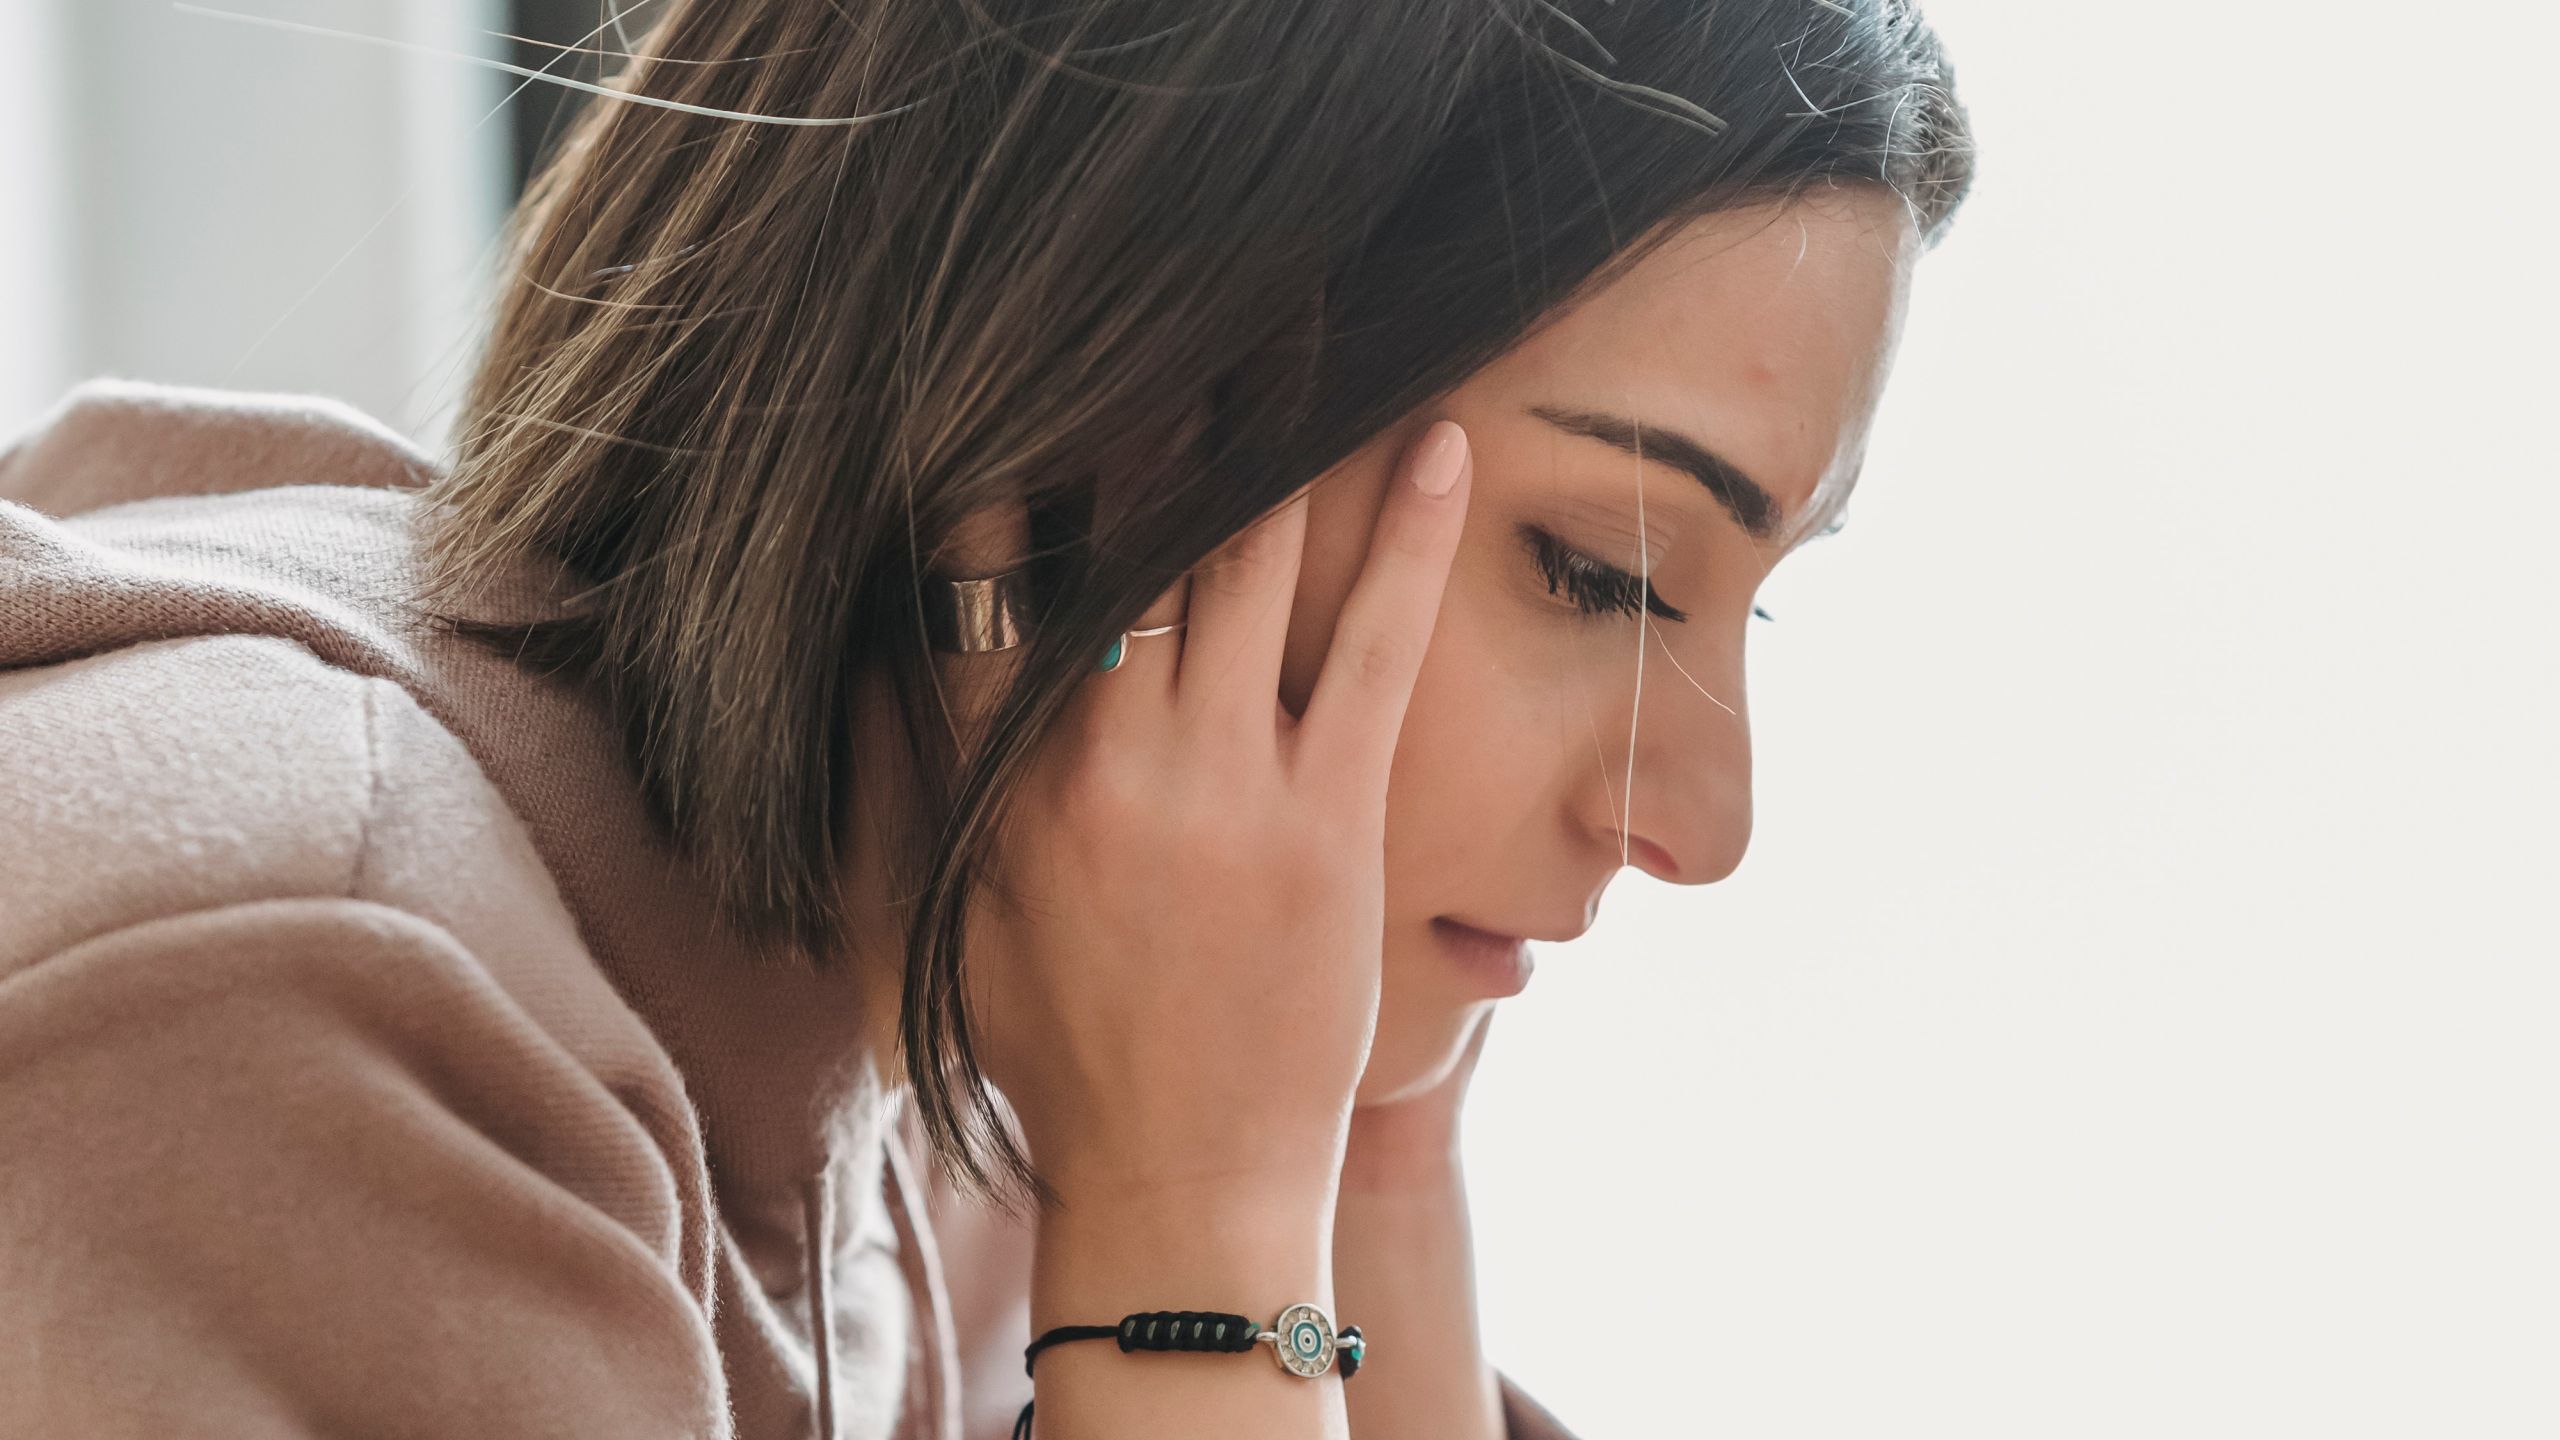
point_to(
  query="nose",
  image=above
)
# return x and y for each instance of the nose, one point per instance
(1683, 791)
(1703, 839)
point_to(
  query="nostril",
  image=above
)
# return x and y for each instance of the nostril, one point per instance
(1652, 858)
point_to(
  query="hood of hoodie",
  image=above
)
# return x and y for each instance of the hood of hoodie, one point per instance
(136, 512)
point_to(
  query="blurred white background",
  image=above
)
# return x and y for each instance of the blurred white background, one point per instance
(2136, 1017)
(2138, 1014)
(198, 200)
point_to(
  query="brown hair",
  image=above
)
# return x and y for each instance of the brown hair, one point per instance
(746, 374)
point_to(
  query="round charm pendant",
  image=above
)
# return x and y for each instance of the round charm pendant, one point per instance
(1303, 1339)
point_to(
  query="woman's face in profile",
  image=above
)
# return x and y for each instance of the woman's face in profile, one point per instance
(1762, 335)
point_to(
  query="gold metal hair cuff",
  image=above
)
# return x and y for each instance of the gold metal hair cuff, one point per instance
(970, 616)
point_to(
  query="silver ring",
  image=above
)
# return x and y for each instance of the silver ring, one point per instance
(1114, 657)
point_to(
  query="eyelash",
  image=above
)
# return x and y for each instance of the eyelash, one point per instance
(1593, 587)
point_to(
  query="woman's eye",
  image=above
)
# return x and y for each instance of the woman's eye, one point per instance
(1593, 587)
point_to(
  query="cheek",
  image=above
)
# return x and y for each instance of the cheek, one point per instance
(1486, 729)
(1476, 763)
(1462, 836)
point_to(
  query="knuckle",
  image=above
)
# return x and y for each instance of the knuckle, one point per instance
(1244, 561)
(1346, 840)
(1381, 657)
(1227, 574)
(1299, 870)
(1221, 852)
(1105, 790)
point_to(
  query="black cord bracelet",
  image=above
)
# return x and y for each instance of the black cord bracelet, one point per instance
(1302, 1340)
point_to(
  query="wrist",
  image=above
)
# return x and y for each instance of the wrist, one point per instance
(1093, 1180)
(1390, 1165)
(1251, 1251)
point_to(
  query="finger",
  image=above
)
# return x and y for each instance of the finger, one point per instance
(1367, 677)
(1134, 672)
(1240, 601)
(1137, 691)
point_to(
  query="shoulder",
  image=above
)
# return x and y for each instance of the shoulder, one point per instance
(298, 1157)
(177, 776)
(224, 836)
(110, 440)
(173, 776)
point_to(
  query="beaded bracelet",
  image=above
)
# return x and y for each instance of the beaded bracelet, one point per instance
(1302, 1340)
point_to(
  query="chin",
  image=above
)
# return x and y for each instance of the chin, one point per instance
(1413, 1052)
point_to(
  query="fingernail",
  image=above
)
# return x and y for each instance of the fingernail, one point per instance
(1436, 468)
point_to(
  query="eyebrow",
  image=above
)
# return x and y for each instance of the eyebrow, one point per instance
(1746, 499)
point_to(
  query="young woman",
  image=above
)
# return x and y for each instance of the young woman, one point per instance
(1045, 596)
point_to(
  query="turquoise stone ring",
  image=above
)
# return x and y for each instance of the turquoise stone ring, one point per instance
(1119, 651)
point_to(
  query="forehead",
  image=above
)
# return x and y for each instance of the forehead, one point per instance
(1765, 333)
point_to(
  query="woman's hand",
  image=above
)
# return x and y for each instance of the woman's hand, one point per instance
(1177, 978)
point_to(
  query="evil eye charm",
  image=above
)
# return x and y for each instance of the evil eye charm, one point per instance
(1304, 1341)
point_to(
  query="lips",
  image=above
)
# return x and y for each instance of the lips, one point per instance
(1498, 964)
(1542, 934)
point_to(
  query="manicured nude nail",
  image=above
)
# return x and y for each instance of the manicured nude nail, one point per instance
(1443, 451)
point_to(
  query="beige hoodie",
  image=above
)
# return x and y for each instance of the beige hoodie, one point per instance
(368, 1066)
